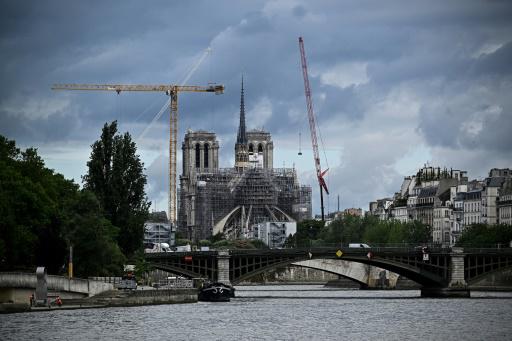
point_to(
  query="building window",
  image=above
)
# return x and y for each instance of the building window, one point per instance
(260, 148)
(251, 148)
(198, 156)
(206, 151)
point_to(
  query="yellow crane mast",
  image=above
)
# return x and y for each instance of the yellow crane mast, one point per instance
(170, 90)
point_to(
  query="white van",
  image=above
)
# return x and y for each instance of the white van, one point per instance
(359, 246)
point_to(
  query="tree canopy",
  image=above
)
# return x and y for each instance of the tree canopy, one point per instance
(116, 176)
(482, 235)
(354, 229)
(42, 214)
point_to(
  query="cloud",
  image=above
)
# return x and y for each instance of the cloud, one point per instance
(346, 75)
(32, 108)
(259, 114)
(394, 84)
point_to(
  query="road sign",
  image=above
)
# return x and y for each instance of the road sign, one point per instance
(339, 253)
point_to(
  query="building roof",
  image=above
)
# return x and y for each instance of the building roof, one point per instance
(495, 181)
(428, 192)
(474, 195)
(460, 196)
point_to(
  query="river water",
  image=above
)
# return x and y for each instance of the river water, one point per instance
(281, 313)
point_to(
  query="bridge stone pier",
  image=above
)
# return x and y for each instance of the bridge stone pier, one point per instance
(223, 267)
(457, 286)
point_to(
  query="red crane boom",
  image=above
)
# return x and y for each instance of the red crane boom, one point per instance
(312, 127)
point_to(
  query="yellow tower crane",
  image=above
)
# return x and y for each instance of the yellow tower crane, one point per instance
(170, 90)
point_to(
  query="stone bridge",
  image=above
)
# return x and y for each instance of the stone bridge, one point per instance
(445, 272)
(18, 286)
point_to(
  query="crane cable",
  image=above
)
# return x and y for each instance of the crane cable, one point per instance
(168, 102)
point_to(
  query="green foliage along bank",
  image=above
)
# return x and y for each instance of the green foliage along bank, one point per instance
(482, 235)
(42, 214)
(354, 229)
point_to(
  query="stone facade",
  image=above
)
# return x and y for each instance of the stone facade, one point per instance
(448, 202)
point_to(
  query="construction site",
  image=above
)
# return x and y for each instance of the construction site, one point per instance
(250, 200)
(242, 201)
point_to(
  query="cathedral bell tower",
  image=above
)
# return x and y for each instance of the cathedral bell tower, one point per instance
(241, 148)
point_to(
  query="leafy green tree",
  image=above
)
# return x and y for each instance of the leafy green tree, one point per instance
(217, 237)
(142, 267)
(307, 230)
(32, 199)
(418, 233)
(376, 234)
(354, 229)
(482, 235)
(182, 242)
(115, 175)
(93, 237)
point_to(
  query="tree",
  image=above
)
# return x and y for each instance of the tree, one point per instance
(42, 214)
(483, 235)
(93, 237)
(32, 200)
(307, 230)
(115, 175)
(142, 267)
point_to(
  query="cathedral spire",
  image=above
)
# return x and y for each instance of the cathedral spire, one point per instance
(241, 148)
(242, 136)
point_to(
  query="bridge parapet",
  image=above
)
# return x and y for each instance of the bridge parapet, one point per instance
(54, 283)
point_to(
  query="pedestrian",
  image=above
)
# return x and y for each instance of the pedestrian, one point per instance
(58, 301)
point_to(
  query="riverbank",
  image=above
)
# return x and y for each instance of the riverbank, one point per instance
(112, 298)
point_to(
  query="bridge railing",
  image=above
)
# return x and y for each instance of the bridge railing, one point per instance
(488, 250)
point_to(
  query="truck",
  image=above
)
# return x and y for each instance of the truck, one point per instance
(158, 247)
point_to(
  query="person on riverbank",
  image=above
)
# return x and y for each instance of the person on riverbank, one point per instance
(58, 301)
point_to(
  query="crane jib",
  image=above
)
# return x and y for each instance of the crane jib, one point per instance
(169, 89)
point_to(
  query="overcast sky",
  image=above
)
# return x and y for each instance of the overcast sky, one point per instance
(396, 84)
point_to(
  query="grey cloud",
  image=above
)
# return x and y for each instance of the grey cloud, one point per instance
(496, 63)
(426, 47)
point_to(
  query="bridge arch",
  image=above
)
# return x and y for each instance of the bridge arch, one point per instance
(493, 278)
(421, 277)
(360, 273)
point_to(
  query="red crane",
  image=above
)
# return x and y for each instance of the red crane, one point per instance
(312, 127)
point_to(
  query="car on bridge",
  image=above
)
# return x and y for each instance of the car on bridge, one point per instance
(359, 246)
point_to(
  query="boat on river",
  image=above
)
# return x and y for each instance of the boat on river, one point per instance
(216, 292)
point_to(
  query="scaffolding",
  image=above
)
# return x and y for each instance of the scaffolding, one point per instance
(232, 201)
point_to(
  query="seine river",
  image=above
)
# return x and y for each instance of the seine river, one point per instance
(281, 313)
